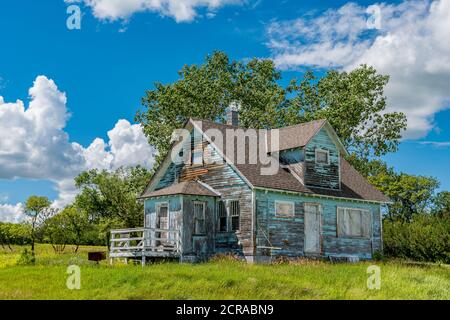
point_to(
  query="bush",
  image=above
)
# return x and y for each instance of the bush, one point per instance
(26, 258)
(425, 238)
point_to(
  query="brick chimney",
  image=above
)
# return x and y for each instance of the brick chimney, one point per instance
(233, 114)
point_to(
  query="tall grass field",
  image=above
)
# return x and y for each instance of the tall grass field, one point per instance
(218, 279)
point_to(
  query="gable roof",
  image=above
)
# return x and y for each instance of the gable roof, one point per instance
(300, 134)
(188, 187)
(353, 184)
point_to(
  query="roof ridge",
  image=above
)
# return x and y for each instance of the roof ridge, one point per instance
(241, 127)
(302, 123)
(218, 123)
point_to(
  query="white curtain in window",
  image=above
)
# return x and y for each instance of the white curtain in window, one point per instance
(353, 222)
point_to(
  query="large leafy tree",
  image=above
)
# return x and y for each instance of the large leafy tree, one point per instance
(410, 194)
(205, 91)
(110, 197)
(353, 102)
(355, 105)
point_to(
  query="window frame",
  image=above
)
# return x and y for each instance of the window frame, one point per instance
(318, 150)
(363, 211)
(194, 203)
(231, 216)
(219, 217)
(285, 202)
(158, 205)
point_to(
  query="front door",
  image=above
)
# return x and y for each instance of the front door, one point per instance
(312, 229)
(162, 222)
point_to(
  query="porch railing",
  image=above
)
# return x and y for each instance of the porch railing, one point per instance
(144, 241)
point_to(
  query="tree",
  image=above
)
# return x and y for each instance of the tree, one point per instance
(205, 91)
(410, 194)
(77, 225)
(55, 230)
(109, 198)
(441, 203)
(38, 209)
(353, 102)
(14, 233)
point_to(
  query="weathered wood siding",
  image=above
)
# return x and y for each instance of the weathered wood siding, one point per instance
(224, 179)
(174, 214)
(322, 175)
(288, 232)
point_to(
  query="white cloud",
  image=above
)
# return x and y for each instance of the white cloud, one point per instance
(180, 10)
(11, 213)
(437, 144)
(411, 46)
(34, 145)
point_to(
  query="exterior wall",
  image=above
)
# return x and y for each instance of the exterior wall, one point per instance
(224, 179)
(174, 211)
(322, 175)
(288, 232)
(175, 215)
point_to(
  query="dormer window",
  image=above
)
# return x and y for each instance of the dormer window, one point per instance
(322, 156)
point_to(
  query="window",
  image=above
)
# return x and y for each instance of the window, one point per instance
(353, 222)
(234, 215)
(284, 208)
(229, 219)
(322, 156)
(199, 218)
(197, 157)
(223, 220)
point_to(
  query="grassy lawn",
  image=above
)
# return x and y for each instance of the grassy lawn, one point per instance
(214, 280)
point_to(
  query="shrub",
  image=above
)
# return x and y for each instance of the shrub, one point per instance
(26, 258)
(425, 238)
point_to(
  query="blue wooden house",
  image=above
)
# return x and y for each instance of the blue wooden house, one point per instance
(314, 204)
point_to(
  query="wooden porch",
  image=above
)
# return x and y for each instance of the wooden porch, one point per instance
(144, 242)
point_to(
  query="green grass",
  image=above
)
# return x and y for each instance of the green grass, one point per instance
(214, 280)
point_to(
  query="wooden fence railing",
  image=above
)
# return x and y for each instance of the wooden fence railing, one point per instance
(144, 241)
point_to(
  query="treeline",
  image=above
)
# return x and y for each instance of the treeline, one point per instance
(106, 200)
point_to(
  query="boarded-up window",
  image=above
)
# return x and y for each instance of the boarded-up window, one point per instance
(284, 208)
(353, 222)
(234, 215)
(199, 218)
(322, 156)
(223, 217)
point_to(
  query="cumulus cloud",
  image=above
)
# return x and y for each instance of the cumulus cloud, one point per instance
(410, 45)
(11, 213)
(180, 10)
(34, 145)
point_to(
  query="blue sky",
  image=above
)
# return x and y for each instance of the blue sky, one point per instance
(105, 68)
